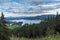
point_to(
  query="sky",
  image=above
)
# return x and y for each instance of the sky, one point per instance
(16, 8)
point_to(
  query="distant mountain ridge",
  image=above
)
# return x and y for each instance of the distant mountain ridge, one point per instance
(42, 17)
(10, 20)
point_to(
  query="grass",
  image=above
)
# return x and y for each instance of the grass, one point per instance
(57, 37)
(12, 26)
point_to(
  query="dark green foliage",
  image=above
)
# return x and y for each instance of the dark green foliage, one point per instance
(36, 30)
(46, 27)
(33, 30)
(50, 30)
(57, 23)
(4, 32)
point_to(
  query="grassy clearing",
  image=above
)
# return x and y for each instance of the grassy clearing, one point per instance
(57, 37)
(12, 26)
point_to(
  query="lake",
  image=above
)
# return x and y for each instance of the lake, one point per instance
(26, 21)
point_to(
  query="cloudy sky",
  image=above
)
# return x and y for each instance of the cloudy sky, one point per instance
(29, 7)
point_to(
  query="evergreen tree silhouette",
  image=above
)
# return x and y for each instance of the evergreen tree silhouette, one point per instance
(4, 34)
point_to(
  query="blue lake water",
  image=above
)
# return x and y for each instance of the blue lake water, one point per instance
(27, 21)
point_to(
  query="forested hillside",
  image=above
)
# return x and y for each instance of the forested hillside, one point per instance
(47, 27)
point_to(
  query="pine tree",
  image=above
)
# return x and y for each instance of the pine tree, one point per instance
(50, 26)
(4, 34)
(57, 23)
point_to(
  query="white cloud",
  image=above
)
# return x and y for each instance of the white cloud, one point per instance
(18, 9)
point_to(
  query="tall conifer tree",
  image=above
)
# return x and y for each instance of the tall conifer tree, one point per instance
(4, 35)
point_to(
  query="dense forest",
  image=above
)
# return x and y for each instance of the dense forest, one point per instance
(47, 27)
